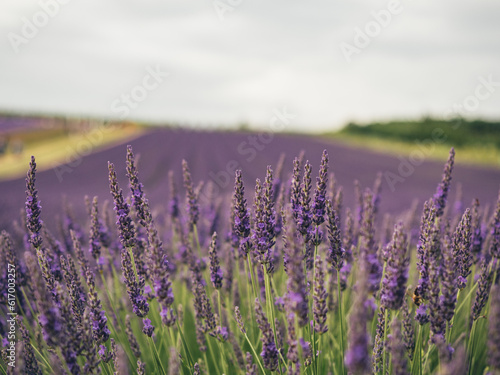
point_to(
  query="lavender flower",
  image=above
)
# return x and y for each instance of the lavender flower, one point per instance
(396, 273)
(441, 194)
(239, 320)
(215, 270)
(336, 252)
(203, 309)
(136, 188)
(241, 224)
(421, 314)
(379, 347)
(495, 231)
(134, 346)
(251, 368)
(367, 243)
(408, 330)
(191, 196)
(320, 308)
(31, 365)
(295, 189)
(92, 359)
(135, 285)
(95, 231)
(293, 351)
(436, 317)
(477, 234)
(318, 206)
(125, 226)
(306, 352)
(449, 281)
(148, 328)
(33, 207)
(423, 248)
(304, 208)
(75, 290)
(462, 241)
(269, 352)
(264, 222)
(173, 206)
(141, 368)
(483, 291)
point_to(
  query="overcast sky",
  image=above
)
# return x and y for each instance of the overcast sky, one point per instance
(232, 61)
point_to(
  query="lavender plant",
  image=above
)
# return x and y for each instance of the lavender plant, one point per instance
(294, 284)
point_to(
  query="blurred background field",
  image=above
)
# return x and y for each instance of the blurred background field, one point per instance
(477, 142)
(55, 141)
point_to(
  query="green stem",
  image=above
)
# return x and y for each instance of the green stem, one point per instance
(197, 240)
(341, 318)
(451, 324)
(155, 359)
(221, 349)
(212, 353)
(42, 357)
(186, 348)
(249, 260)
(470, 347)
(270, 308)
(257, 358)
(417, 353)
(386, 317)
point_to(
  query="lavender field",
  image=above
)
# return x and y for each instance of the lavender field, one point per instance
(214, 253)
(209, 154)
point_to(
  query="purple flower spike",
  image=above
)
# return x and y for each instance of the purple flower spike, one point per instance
(264, 222)
(318, 207)
(396, 274)
(33, 207)
(495, 232)
(304, 209)
(215, 270)
(441, 194)
(320, 308)
(336, 252)
(367, 246)
(269, 352)
(193, 207)
(449, 281)
(462, 252)
(148, 328)
(483, 291)
(125, 226)
(424, 248)
(241, 224)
